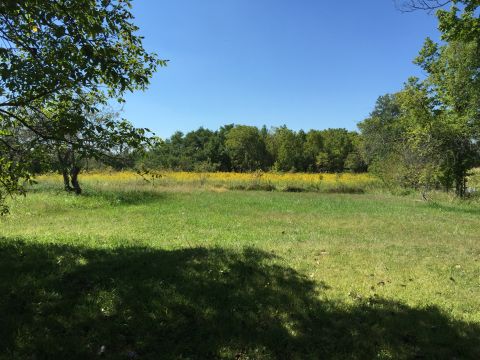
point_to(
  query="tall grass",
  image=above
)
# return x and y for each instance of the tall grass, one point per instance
(287, 182)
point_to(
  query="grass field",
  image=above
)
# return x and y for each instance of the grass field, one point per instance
(192, 272)
(285, 182)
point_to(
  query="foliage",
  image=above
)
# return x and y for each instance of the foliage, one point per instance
(52, 54)
(80, 131)
(62, 45)
(199, 150)
(460, 23)
(382, 129)
(431, 129)
(337, 145)
(286, 147)
(245, 148)
(9, 181)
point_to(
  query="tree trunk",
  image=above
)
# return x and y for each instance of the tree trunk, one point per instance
(461, 186)
(74, 179)
(70, 171)
(66, 180)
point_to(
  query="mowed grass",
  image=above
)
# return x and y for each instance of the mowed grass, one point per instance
(203, 274)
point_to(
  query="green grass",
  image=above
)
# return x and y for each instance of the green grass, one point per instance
(239, 275)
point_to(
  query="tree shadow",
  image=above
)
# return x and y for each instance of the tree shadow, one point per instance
(455, 208)
(111, 197)
(64, 302)
(126, 197)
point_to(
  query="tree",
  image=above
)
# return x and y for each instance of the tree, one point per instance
(421, 145)
(56, 49)
(102, 136)
(286, 148)
(51, 46)
(355, 160)
(424, 143)
(433, 133)
(246, 148)
(337, 144)
(460, 23)
(80, 132)
(204, 149)
(199, 150)
(382, 129)
(216, 150)
(14, 171)
(454, 84)
(312, 148)
(402, 138)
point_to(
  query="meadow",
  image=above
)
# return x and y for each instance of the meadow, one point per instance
(268, 181)
(188, 266)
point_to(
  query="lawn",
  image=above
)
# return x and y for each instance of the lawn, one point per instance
(210, 273)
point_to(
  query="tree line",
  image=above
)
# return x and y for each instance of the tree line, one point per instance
(247, 148)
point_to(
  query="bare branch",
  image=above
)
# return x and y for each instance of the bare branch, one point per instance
(423, 5)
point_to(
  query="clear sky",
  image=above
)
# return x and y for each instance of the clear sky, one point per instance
(303, 63)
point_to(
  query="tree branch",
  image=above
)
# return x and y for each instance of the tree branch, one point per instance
(423, 5)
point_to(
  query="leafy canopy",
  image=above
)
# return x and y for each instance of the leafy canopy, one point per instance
(60, 62)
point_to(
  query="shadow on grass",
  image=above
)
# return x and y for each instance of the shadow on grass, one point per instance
(62, 302)
(112, 197)
(126, 197)
(455, 208)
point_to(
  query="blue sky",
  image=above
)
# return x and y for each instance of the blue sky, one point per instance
(309, 64)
